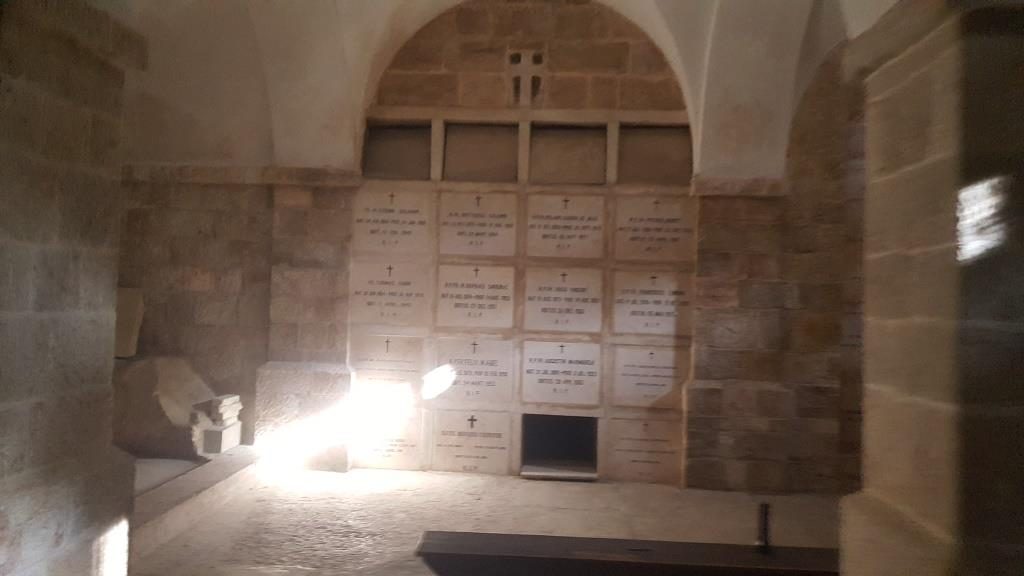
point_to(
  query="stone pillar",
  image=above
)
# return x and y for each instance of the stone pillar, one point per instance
(65, 491)
(309, 274)
(737, 408)
(944, 300)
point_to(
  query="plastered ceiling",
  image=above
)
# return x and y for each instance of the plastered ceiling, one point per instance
(286, 82)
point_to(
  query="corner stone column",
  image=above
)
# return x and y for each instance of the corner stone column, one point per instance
(736, 406)
(944, 299)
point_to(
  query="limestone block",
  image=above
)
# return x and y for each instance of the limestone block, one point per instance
(481, 153)
(655, 155)
(397, 152)
(153, 402)
(222, 438)
(130, 308)
(568, 155)
(290, 392)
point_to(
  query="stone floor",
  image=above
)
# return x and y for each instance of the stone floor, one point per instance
(369, 522)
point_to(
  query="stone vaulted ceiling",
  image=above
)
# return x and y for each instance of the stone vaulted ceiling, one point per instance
(254, 82)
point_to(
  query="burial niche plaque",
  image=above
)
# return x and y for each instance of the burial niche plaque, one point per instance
(390, 293)
(483, 371)
(392, 222)
(471, 441)
(475, 296)
(562, 373)
(478, 224)
(654, 228)
(382, 358)
(652, 303)
(645, 450)
(565, 226)
(649, 377)
(563, 299)
(393, 445)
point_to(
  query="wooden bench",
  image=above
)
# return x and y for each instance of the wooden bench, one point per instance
(475, 554)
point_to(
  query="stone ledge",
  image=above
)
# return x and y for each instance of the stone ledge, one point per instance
(242, 175)
(170, 509)
(746, 187)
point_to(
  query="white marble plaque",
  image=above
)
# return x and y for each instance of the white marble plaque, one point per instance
(392, 443)
(391, 293)
(654, 228)
(478, 224)
(472, 441)
(652, 303)
(483, 370)
(565, 226)
(649, 377)
(475, 296)
(564, 299)
(380, 358)
(392, 222)
(562, 373)
(645, 451)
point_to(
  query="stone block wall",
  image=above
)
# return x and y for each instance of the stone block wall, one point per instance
(822, 265)
(309, 277)
(944, 325)
(197, 243)
(740, 417)
(65, 491)
(590, 57)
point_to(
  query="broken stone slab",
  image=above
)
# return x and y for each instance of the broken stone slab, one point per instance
(153, 408)
(220, 439)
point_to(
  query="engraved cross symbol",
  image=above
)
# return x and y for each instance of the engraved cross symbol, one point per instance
(478, 198)
(564, 276)
(657, 202)
(561, 348)
(475, 346)
(392, 197)
(472, 421)
(650, 355)
(653, 280)
(565, 203)
(387, 345)
(525, 68)
(476, 272)
(390, 269)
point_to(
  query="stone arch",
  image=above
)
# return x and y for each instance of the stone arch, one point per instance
(595, 58)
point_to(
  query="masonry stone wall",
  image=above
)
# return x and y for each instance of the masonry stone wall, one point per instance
(309, 276)
(823, 266)
(200, 252)
(65, 491)
(943, 318)
(590, 58)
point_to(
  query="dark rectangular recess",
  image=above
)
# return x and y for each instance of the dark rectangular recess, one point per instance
(564, 154)
(661, 155)
(550, 440)
(397, 152)
(481, 152)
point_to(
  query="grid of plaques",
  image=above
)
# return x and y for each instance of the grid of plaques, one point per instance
(573, 302)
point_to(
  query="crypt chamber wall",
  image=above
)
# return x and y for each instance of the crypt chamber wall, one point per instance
(706, 350)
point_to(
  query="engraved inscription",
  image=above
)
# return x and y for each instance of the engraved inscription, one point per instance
(645, 451)
(475, 296)
(563, 299)
(393, 222)
(390, 293)
(565, 226)
(478, 224)
(471, 441)
(562, 373)
(652, 303)
(483, 370)
(654, 228)
(649, 377)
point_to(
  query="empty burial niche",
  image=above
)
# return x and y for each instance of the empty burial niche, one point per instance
(568, 154)
(661, 155)
(397, 152)
(481, 153)
(559, 447)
